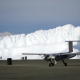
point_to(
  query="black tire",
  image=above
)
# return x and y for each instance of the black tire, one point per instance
(65, 64)
(50, 65)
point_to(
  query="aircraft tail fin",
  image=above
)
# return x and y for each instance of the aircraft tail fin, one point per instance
(70, 45)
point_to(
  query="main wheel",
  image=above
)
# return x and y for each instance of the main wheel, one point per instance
(65, 64)
(50, 65)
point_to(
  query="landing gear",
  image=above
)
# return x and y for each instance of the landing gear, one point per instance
(51, 64)
(64, 63)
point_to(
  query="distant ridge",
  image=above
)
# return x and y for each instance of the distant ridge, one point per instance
(5, 34)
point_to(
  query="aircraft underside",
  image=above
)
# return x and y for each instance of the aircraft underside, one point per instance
(59, 58)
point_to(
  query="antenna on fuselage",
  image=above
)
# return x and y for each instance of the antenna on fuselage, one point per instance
(70, 45)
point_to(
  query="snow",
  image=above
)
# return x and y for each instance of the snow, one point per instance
(41, 41)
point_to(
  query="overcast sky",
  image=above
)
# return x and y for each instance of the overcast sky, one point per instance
(26, 16)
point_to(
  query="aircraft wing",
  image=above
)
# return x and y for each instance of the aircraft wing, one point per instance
(42, 53)
(76, 53)
(64, 53)
(33, 54)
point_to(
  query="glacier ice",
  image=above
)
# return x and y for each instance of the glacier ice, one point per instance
(41, 41)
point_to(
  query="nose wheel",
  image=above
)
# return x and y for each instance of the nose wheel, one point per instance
(51, 64)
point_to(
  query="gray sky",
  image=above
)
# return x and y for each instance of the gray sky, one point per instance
(26, 16)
